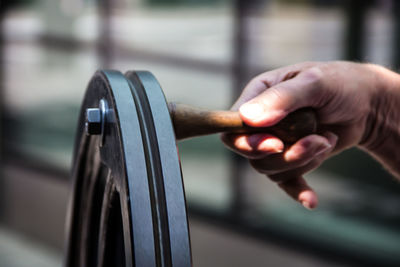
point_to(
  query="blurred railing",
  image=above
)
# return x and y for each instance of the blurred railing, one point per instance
(240, 213)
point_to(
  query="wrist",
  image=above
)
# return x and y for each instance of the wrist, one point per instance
(382, 129)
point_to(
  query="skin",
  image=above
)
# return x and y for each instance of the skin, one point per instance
(356, 104)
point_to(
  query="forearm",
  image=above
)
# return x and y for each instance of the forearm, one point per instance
(382, 136)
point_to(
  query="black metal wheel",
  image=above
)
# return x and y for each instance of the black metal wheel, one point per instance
(128, 205)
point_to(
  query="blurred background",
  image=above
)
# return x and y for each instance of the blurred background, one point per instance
(202, 53)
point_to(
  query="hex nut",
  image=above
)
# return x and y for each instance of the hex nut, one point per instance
(93, 121)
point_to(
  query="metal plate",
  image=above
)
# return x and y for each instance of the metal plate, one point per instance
(128, 206)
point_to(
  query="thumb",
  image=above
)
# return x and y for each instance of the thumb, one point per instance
(276, 102)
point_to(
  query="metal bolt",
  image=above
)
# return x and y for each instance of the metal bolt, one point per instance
(93, 123)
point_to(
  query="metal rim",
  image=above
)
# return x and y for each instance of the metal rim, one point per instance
(172, 226)
(118, 214)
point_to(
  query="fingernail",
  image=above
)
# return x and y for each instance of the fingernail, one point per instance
(251, 110)
(306, 204)
(242, 144)
(271, 145)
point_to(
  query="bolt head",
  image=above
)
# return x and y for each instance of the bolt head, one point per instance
(93, 121)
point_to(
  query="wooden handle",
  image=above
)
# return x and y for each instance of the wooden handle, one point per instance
(191, 121)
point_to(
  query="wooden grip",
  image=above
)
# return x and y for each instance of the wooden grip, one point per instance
(191, 121)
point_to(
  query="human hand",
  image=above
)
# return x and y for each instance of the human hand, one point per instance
(343, 95)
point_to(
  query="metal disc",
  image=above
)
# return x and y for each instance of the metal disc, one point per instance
(127, 207)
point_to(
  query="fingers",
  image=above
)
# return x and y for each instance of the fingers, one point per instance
(299, 171)
(303, 159)
(293, 183)
(298, 155)
(287, 168)
(274, 103)
(253, 146)
(299, 190)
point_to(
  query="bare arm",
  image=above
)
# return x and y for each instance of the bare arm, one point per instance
(382, 134)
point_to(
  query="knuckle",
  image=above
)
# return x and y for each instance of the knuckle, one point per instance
(313, 75)
(256, 79)
(257, 82)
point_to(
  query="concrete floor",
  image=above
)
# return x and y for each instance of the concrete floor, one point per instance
(215, 246)
(211, 246)
(32, 230)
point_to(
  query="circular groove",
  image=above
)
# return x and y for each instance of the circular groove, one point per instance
(137, 212)
(127, 199)
(156, 184)
(170, 166)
